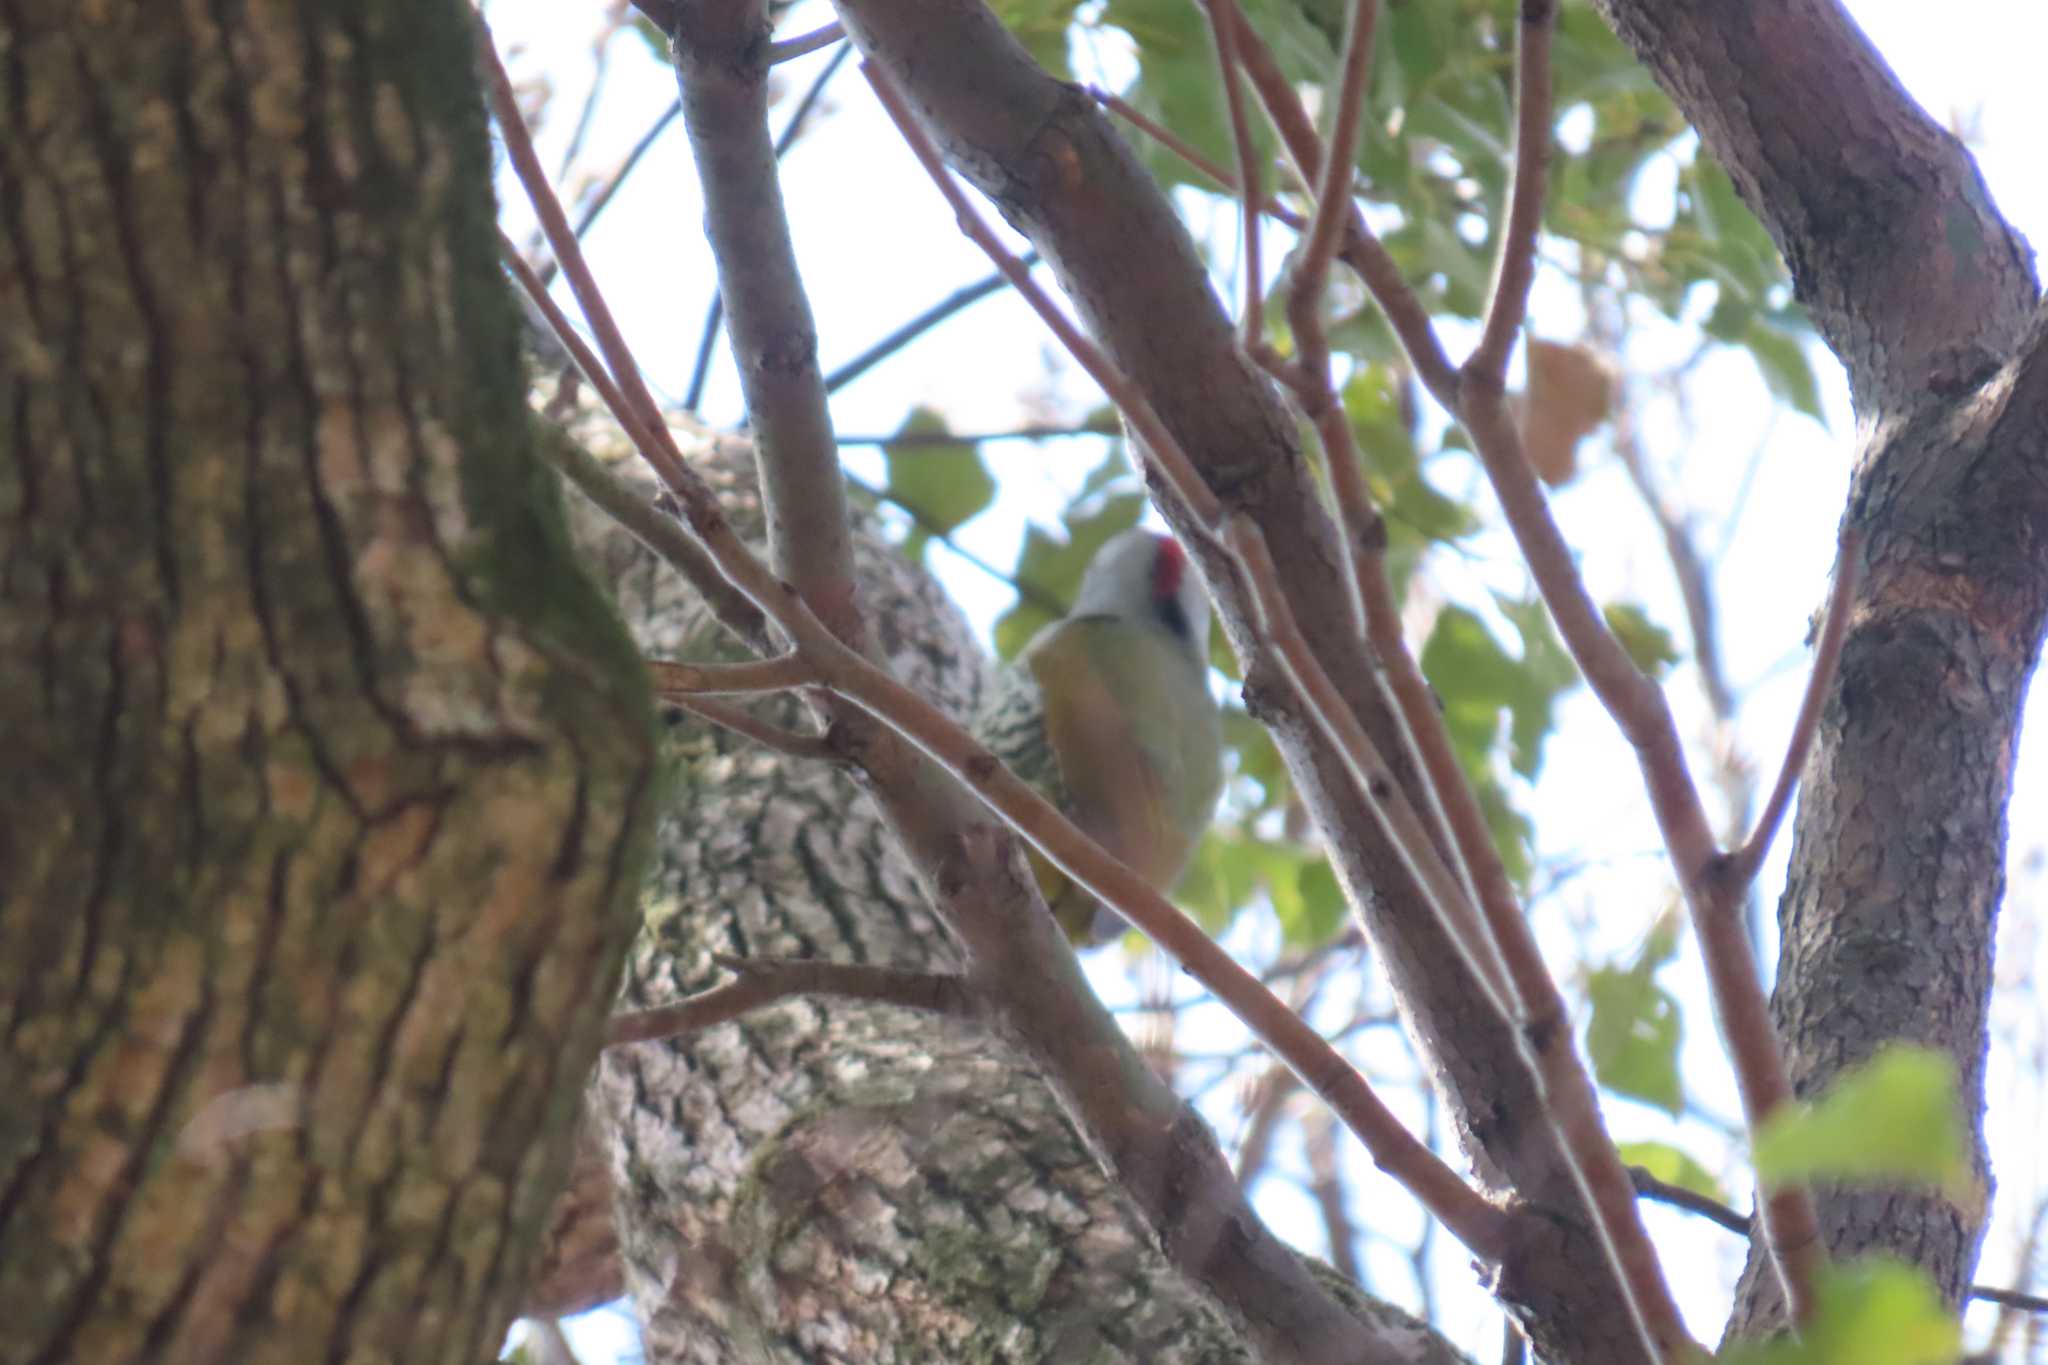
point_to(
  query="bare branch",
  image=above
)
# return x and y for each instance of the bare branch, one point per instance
(1571, 1103)
(774, 340)
(762, 981)
(741, 722)
(1678, 1196)
(1181, 148)
(917, 327)
(1516, 268)
(1640, 711)
(680, 680)
(1334, 207)
(1363, 250)
(789, 49)
(1224, 23)
(714, 312)
(1741, 866)
(625, 374)
(1152, 435)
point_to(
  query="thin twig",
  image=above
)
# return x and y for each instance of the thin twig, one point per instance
(1569, 1099)
(1362, 249)
(1741, 866)
(1224, 22)
(600, 60)
(789, 49)
(1516, 266)
(526, 164)
(2010, 1298)
(1025, 589)
(1181, 148)
(1741, 1224)
(709, 680)
(762, 981)
(1678, 1196)
(601, 198)
(745, 724)
(630, 507)
(911, 440)
(1171, 461)
(1326, 1186)
(1334, 207)
(917, 327)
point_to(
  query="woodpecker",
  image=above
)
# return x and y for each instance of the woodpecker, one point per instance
(1107, 712)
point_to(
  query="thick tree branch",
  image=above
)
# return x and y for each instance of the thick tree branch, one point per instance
(724, 90)
(1822, 142)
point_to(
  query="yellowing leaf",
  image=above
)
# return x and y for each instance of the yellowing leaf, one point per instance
(1571, 392)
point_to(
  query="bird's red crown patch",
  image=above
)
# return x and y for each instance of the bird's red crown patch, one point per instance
(1169, 567)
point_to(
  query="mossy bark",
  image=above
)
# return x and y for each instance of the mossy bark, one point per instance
(328, 772)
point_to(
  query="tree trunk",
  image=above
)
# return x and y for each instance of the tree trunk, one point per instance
(329, 771)
(1930, 300)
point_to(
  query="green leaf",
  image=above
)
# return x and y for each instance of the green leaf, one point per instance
(1897, 1119)
(650, 33)
(1637, 1026)
(1649, 645)
(1873, 1311)
(1479, 684)
(1322, 908)
(1178, 86)
(1546, 672)
(1729, 233)
(1782, 358)
(1257, 757)
(1673, 1166)
(1042, 26)
(941, 486)
(1230, 869)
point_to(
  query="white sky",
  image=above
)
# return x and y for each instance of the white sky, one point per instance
(877, 247)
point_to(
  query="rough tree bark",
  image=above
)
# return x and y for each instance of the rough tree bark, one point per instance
(824, 1180)
(1930, 300)
(328, 771)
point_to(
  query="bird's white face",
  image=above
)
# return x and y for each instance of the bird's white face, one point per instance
(1140, 575)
